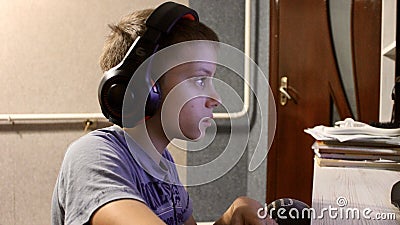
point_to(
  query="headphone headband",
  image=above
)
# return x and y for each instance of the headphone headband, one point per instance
(167, 15)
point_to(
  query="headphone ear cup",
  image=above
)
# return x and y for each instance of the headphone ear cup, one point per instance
(111, 97)
(115, 96)
(153, 101)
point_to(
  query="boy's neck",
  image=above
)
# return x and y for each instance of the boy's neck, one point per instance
(150, 137)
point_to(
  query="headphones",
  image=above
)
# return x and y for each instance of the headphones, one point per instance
(114, 84)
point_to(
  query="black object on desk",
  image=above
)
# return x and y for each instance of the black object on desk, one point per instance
(395, 195)
(283, 210)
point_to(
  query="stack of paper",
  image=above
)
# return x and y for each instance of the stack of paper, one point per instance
(356, 144)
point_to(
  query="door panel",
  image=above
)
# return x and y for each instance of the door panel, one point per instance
(301, 49)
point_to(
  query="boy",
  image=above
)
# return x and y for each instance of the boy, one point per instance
(124, 175)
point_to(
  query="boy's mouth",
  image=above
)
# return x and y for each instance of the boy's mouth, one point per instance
(207, 121)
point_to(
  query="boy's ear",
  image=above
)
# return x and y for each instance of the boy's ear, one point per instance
(153, 100)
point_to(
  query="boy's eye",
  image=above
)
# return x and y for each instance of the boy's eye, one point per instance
(201, 82)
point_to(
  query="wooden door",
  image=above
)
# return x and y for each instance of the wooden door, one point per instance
(301, 50)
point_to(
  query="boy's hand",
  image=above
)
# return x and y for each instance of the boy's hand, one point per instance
(243, 211)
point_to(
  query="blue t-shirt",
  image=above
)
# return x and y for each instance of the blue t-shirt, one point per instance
(106, 165)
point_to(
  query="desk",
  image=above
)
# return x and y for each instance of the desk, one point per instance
(355, 189)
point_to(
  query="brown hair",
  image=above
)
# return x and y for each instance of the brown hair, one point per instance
(131, 26)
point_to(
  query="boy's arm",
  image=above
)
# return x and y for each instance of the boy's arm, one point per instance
(243, 211)
(125, 212)
(190, 221)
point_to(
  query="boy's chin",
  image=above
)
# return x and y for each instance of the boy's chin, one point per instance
(195, 137)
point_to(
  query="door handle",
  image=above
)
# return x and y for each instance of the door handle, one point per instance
(283, 94)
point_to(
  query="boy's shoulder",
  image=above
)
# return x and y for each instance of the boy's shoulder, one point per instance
(111, 134)
(101, 140)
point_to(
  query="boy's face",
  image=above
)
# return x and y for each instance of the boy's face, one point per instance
(189, 98)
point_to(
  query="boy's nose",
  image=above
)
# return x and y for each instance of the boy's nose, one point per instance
(214, 99)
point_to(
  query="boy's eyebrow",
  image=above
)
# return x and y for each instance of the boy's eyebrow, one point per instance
(204, 70)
